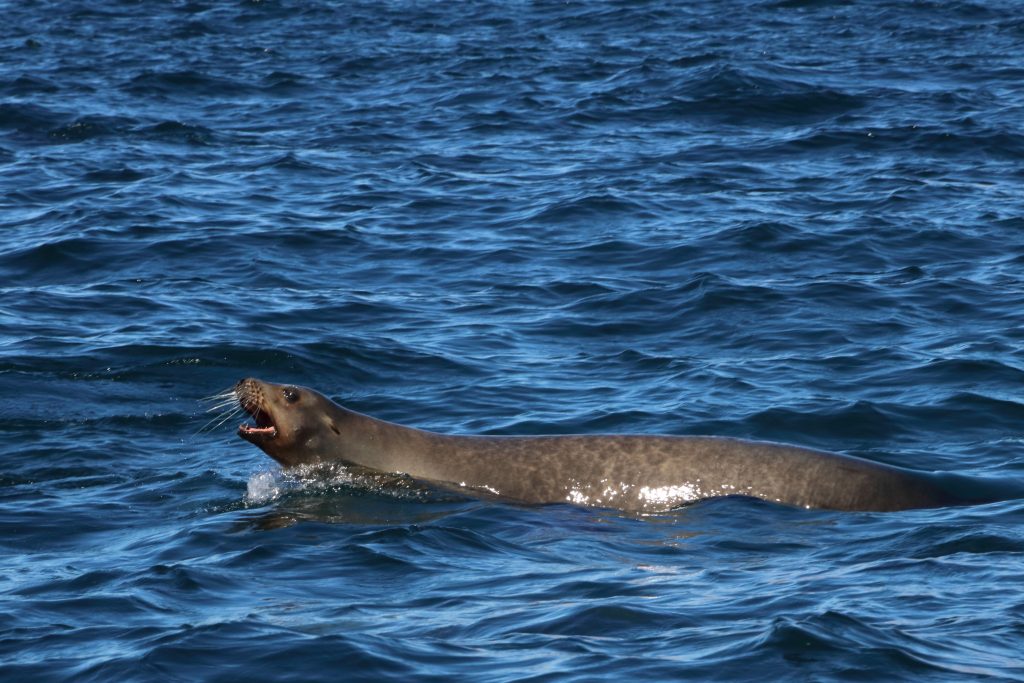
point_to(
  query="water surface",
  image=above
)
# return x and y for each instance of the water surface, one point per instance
(798, 221)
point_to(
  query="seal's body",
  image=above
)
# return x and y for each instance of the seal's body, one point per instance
(296, 425)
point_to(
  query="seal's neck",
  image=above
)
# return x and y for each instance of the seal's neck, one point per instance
(366, 441)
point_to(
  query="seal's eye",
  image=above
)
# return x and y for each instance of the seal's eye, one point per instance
(290, 395)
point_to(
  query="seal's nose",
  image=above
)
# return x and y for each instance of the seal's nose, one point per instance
(249, 394)
(245, 390)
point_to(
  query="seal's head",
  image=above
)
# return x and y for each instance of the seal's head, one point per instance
(290, 422)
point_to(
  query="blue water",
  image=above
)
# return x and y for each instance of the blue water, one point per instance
(793, 220)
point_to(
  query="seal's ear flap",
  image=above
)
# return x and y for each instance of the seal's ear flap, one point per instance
(334, 427)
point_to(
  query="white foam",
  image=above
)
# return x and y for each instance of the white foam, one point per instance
(268, 485)
(263, 487)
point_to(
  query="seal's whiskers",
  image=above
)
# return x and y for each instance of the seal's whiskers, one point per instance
(226, 407)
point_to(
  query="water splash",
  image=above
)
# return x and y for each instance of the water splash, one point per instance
(267, 486)
(263, 487)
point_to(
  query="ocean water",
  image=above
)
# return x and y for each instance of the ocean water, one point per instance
(795, 220)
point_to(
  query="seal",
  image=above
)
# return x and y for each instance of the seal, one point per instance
(295, 425)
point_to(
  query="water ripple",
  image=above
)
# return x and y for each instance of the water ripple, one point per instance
(795, 220)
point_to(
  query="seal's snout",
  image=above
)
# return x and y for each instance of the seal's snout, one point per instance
(249, 395)
(246, 385)
(252, 400)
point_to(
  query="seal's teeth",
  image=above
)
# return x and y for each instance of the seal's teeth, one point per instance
(255, 429)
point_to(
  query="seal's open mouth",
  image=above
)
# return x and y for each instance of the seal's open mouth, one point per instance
(264, 427)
